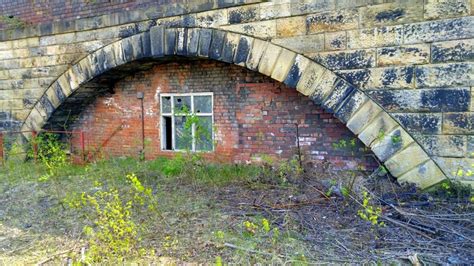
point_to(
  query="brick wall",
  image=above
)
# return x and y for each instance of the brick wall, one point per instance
(253, 115)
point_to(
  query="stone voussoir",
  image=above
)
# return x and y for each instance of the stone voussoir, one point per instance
(363, 117)
(258, 48)
(406, 159)
(424, 175)
(296, 71)
(157, 37)
(310, 79)
(229, 49)
(283, 65)
(269, 59)
(170, 41)
(353, 104)
(340, 93)
(392, 143)
(377, 129)
(243, 50)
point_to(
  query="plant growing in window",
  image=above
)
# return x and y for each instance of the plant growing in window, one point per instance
(187, 122)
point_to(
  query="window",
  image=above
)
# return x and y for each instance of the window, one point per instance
(187, 121)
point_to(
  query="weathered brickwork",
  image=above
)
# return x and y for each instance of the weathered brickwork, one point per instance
(411, 60)
(253, 116)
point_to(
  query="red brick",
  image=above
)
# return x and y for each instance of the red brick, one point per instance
(252, 118)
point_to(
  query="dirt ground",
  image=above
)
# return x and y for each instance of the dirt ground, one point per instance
(311, 221)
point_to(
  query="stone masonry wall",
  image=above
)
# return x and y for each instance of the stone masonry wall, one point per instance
(413, 57)
(253, 116)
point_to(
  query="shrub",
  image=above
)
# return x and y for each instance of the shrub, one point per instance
(112, 232)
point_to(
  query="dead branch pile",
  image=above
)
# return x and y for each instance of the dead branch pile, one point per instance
(419, 228)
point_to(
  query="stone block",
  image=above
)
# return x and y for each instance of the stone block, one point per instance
(185, 21)
(452, 51)
(392, 143)
(261, 29)
(269, 59)
(271, 10)
(403, 55)
(283, 65)
(423, 100)
(302, 44)
(472, 100)
(205, 37)
(346, 59)
(243, 14)
(380, 78)
(378, 129)
(444, 145)
(335, 40)
(127, 50)
(75, 77)
(354, 3)
(362, 117)
(311, 6)
(420, 123)
(375, 37)
(406, 160)
(435, 9)
(340, 93)
(170, 42)
(424, 175)
(456, 168)
(444, 75)
(296, 70)
(146, 45)
(192, 45)
(34, 121)
(458, 123)
(291, 26)
(440, 30)
(99, 59)
(45, 107)
(108, 58)
(181, 41)
(470, 147)
(157, 37)
(345, 19)
(65, 85)
(211, 19)
(310, 79)
(52, 96)
(230, 46)
(325, 86)
(351, 106)
(399, 12)
(59, 92)
(243, 50)
(217, 43)
(258, 48)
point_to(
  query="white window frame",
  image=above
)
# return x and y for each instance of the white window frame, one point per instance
(173, 115)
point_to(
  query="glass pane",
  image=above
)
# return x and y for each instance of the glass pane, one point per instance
(182, 104)
(166, 104)
(183, 133)
(203, 134)
(202, 104)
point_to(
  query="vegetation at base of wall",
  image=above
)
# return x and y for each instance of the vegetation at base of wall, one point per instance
(186, 209)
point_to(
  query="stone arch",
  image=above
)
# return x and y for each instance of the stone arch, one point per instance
(390, 142)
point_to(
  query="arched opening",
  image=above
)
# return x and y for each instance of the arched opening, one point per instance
(366, 119)
(250, 116)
